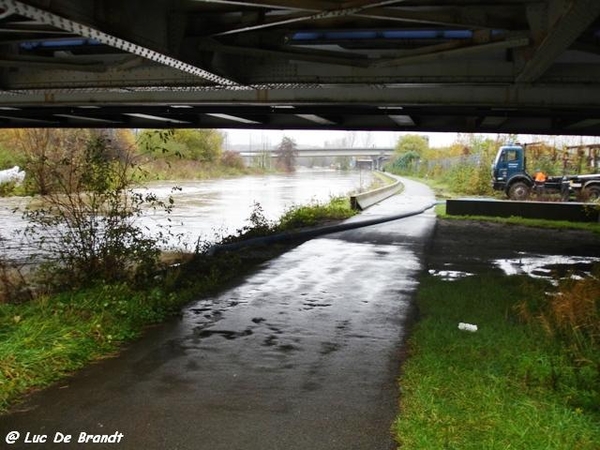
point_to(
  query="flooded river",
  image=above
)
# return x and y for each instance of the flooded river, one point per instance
(207, 209)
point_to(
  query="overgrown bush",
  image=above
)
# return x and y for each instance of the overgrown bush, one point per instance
(10, 158)
(193, 145)
(233, 160)
(471, 178)
(11, 188)
(405, 164)
(573, 315)
(296, 216)
(315, 213)
(258, 226)
(571, 318)
(86, 221)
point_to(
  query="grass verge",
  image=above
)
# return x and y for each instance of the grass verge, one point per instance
(49, 337)
(313, 214)
(511, 384)
(440, 211)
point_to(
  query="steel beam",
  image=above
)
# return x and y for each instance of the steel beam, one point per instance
(579, 15)
(284, 5)
(496, 96)
(460, 51)
(469, 119)
(478, 17)
(389, 64)
(355, 9)
(79, 29)
(287, 54)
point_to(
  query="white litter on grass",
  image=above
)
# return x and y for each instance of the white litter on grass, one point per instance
(467, 327)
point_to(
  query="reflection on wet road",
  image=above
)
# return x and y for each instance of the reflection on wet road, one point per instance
(303, 354)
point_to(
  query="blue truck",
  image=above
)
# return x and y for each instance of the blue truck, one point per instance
(509, 174)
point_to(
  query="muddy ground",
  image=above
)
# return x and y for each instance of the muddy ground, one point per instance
(476, 247)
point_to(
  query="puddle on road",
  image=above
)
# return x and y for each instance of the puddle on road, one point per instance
(305, 306)
(227, 334)
(450, 275)
(548, 266)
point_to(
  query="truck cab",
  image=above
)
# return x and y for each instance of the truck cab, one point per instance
(509, 173)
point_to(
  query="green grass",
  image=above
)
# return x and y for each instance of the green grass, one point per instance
(294, 218)
(47, 338)
(508, 385)
(513, 220)
(315, 213)
(441, 189)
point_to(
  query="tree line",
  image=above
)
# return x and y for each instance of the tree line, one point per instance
(194, 153)
(197, 153)
(165, 154)
(465, 165)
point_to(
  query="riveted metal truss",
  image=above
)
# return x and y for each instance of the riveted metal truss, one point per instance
(61, 23)
(455, 65)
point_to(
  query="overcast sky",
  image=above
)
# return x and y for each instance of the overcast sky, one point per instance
(320, 138)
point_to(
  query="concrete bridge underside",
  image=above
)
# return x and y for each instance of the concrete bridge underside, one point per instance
(415, 65)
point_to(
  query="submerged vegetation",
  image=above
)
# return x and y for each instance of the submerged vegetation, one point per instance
(87, 217)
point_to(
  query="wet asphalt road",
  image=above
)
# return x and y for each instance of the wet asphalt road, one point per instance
(302, 354)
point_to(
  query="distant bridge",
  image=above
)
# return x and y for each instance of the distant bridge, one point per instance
(367, 157)
(328, 152)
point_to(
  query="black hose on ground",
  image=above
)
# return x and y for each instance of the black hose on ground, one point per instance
(310, 233)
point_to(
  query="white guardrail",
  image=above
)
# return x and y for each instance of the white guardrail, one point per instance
(365, 199)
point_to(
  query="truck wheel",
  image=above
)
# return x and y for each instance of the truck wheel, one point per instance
(592, 193)
(518, 191)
